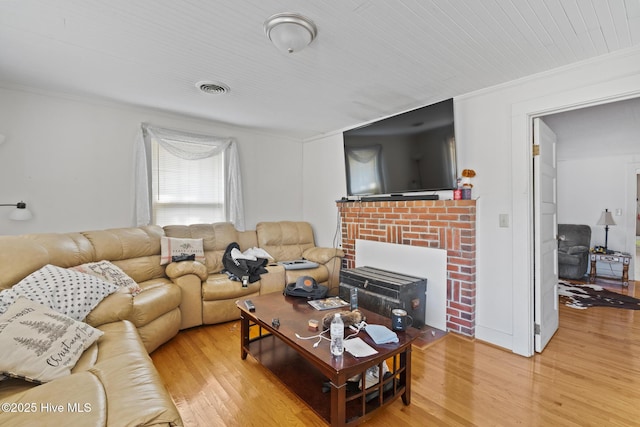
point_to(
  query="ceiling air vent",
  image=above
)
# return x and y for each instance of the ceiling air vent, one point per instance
(212, 88)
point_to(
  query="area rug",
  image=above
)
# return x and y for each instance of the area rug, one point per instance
(585, 296)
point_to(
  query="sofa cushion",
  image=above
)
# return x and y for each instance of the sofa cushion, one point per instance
(134, 391)
(88, 358)
(142, 269)
(66, 291)
(124, 243)
(216, 237)
(111, 273)
(119, 340)
(40, 344)
(220, 287)
(172, 246)
(76, 390)
(285, 240)
(574, 235)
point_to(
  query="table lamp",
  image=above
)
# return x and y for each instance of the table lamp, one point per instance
(606, 219)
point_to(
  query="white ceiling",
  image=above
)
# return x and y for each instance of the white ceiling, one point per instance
(371, 59)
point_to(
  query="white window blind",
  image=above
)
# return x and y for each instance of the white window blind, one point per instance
(186, 178)
(186, 191)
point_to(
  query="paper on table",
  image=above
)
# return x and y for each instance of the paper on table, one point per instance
(359, 348)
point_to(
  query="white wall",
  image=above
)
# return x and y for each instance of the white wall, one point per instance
(493, 137)
(324, 182)
(598, 148)
(70, 160)
(586, 186)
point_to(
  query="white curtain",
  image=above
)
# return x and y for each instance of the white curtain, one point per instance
(187, 146)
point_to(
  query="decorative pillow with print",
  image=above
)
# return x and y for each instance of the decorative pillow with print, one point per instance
(111, 273)
(66, 291)
(39, 344)
(175, 247)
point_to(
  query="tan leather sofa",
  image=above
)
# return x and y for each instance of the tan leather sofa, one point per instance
(155, 311)
(116, 376)
(283, 240)
(113, 384)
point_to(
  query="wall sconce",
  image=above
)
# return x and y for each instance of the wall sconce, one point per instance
(21, 213)
(290, 32)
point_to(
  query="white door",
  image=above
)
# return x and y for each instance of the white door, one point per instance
(545, 230)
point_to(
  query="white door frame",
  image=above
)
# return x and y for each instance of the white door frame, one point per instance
(633, 169)
(522, 115)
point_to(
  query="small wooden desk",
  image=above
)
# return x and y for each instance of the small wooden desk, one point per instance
(615, 258)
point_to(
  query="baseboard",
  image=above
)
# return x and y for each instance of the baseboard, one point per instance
(494, 337)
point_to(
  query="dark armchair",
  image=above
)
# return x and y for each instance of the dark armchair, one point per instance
(573, 250)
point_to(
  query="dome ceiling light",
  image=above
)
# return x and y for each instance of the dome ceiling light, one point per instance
(290, 32)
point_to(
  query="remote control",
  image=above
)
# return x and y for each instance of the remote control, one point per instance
(249, 305)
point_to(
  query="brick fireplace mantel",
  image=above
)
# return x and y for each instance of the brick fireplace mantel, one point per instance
(440, 224)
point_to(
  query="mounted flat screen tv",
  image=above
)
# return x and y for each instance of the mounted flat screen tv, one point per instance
(411, 152)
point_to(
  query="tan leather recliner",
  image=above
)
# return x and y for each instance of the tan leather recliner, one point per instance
(293, 240)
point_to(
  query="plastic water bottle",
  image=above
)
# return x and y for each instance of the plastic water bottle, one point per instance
(337, 335)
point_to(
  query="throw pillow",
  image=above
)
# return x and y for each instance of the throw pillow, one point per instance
(67, 291)
(111, 273)
(173, 246)
(39, 344)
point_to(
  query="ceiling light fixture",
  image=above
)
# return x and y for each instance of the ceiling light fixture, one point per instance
(290, 32)
(21, 213)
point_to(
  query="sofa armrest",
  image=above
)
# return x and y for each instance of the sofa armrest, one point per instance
(329, 258)
(577, 250)
(115, 307)
(182, 268)
(322, 255)
(191, 303)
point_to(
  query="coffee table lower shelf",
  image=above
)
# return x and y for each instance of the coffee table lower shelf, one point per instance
(307, 382)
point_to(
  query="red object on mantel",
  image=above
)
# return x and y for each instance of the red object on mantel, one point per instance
(457, 194)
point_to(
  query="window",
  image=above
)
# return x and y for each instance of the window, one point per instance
(185, 178)
(186, 191)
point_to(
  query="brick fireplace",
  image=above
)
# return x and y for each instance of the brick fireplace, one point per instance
(439, 224)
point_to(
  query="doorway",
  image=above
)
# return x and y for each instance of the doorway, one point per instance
(636, 275)
(598, 169)
(522, 118)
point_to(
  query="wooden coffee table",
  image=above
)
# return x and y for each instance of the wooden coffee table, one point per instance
(305, 369)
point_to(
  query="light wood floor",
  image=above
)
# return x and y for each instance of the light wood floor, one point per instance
(589, 375)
